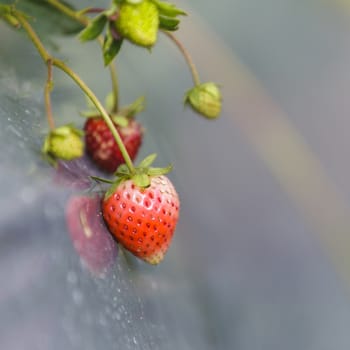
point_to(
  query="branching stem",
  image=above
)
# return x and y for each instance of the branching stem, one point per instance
(79, 17)
(51, 61)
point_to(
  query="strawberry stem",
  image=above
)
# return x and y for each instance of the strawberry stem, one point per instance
(115, 87)
(61, 65)
(47, 59)
(51, 61)
(79, 17)
(69, 12)
(47, 93)
(186, 55)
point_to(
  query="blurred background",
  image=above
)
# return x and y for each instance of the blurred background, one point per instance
(261, 257)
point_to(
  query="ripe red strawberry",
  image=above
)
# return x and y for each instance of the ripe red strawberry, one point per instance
(143, 220)
(101, 146)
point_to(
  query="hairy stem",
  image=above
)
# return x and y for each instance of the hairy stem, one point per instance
(88, 92)
(115, 87)
(47, 94)
(50, 61)
(85, 21)
(188, 58)
(33, 36)
(69, 12)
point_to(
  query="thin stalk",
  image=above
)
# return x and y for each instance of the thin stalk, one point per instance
(47, 59)
(62, 66)
(115, 86)
(69, 12)
(33, 36)
(47, 94)
(187, 56)
(88, 92)
(85, 21)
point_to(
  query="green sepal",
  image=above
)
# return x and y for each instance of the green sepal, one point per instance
(46, 146)
(160, 171)
(134, 108)
(51, 160)
(122, 170)
(168, 10)
(141, 180)
(114, 186)
(67, 130)
(120, 120)
(89, 114)
(100, 179)
(94, 28)
(148, 161)
(168, 23)
(111, 47)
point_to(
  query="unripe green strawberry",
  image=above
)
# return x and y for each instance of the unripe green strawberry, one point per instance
(138, 22)
(205, 99)
(64, 143)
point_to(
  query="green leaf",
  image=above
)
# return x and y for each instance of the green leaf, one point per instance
(160, 171)
(141, 180)
(111, 47)
(168, 10)
(168, 23)
(148, 161)
(94, 29)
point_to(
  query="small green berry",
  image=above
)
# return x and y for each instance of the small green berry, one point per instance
(64, 142)
(205, 99)
(138, 22)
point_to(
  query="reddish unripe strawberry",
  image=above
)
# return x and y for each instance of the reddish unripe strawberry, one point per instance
(101, 146)
(143, 220)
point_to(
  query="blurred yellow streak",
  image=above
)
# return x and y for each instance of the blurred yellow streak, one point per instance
(277, 142)
(345, 4)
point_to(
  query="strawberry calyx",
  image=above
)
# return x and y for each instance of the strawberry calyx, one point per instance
(141, 175)
(124, 114)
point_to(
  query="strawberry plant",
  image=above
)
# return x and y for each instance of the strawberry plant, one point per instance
(141, 206)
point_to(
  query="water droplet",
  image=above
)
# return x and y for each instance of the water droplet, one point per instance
(77, 297)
